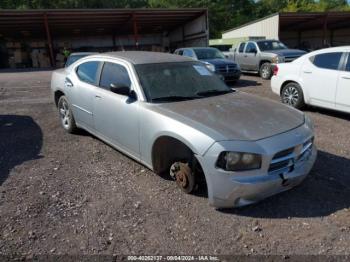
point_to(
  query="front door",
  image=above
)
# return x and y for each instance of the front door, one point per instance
(116, 117)
(249, 59)
(343, 89)
(320, 76)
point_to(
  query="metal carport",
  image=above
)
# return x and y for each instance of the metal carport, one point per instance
(111, 28)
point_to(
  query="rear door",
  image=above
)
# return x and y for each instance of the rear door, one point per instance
(343, 89)
(320, 76)
(82, 83)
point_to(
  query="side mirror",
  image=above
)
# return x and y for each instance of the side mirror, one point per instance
(123, 90)
(120, 89)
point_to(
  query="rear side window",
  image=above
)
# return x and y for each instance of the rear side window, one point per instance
(180, 52)
(241, 48)
(87, 72)
(327, 60)
(114, 74)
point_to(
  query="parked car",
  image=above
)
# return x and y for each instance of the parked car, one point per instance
(73, 57)
(175, 116)
(320, 78)
(259, 56)
(215, 61)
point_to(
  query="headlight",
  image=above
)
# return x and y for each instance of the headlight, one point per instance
(308, 122)
(278, 59)
(236, 161)
(211, 67)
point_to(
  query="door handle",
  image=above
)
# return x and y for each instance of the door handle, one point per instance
(97, 96)
(346, 77)
(308, 72)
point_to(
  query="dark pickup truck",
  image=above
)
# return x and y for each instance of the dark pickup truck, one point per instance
(215, 60)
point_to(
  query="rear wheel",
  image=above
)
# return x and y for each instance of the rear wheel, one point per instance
(66, 115)
(265, 71)
(292, 95)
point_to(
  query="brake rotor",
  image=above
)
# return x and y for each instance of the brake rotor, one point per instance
(183, 176)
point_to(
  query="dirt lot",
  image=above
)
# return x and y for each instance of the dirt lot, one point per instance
(73, 194)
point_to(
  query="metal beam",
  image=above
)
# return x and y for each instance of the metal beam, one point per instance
(136, 33)
(49, 40)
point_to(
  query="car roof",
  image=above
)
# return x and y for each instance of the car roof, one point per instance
(84, 53)
(144, 57)
(263, 40)
(198, 47)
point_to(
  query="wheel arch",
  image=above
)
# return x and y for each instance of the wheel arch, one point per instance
(263, 61)
(305, 93)
(57, 94)
(167, 148)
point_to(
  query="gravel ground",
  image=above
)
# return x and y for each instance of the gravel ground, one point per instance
(73, 194)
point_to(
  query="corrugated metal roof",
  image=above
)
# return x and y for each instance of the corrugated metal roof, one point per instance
(94, 21)
(307, 20)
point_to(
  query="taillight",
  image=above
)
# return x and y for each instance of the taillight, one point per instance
(275, 70)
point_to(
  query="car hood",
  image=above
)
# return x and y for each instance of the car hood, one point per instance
(219, 61)
(287, 52)
(235, 116)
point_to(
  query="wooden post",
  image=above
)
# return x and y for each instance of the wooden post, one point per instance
(136, 34)
(49, 40)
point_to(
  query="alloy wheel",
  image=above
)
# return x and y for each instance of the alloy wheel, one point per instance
(290, 96)
(65, 114)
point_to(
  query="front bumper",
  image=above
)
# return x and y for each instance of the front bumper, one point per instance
(233, 189)
(231, 76)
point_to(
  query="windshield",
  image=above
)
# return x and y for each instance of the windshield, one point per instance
(271, 45)
(179, 81)
(208, 53)
(73, 58)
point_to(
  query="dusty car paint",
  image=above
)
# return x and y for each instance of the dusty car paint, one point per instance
(203, 127)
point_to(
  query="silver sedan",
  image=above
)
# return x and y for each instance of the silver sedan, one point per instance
(176, 117)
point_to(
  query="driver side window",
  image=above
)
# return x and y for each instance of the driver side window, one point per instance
(114, 74)
(188, 52)
(251, 48)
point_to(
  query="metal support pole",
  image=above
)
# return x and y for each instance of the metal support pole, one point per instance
(49, 40)
(325, 29)
(136, 34)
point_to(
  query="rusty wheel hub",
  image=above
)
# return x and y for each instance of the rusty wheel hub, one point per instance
(182, 174)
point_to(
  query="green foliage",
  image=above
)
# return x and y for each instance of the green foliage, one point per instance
(223, 14)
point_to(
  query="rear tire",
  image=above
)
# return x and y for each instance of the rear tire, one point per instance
(292, 95)
(265, 71)
(66, 115)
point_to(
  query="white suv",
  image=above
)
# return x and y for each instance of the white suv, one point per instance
(320, 78)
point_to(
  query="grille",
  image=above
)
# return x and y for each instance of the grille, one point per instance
(225, 68)
(282, 160)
